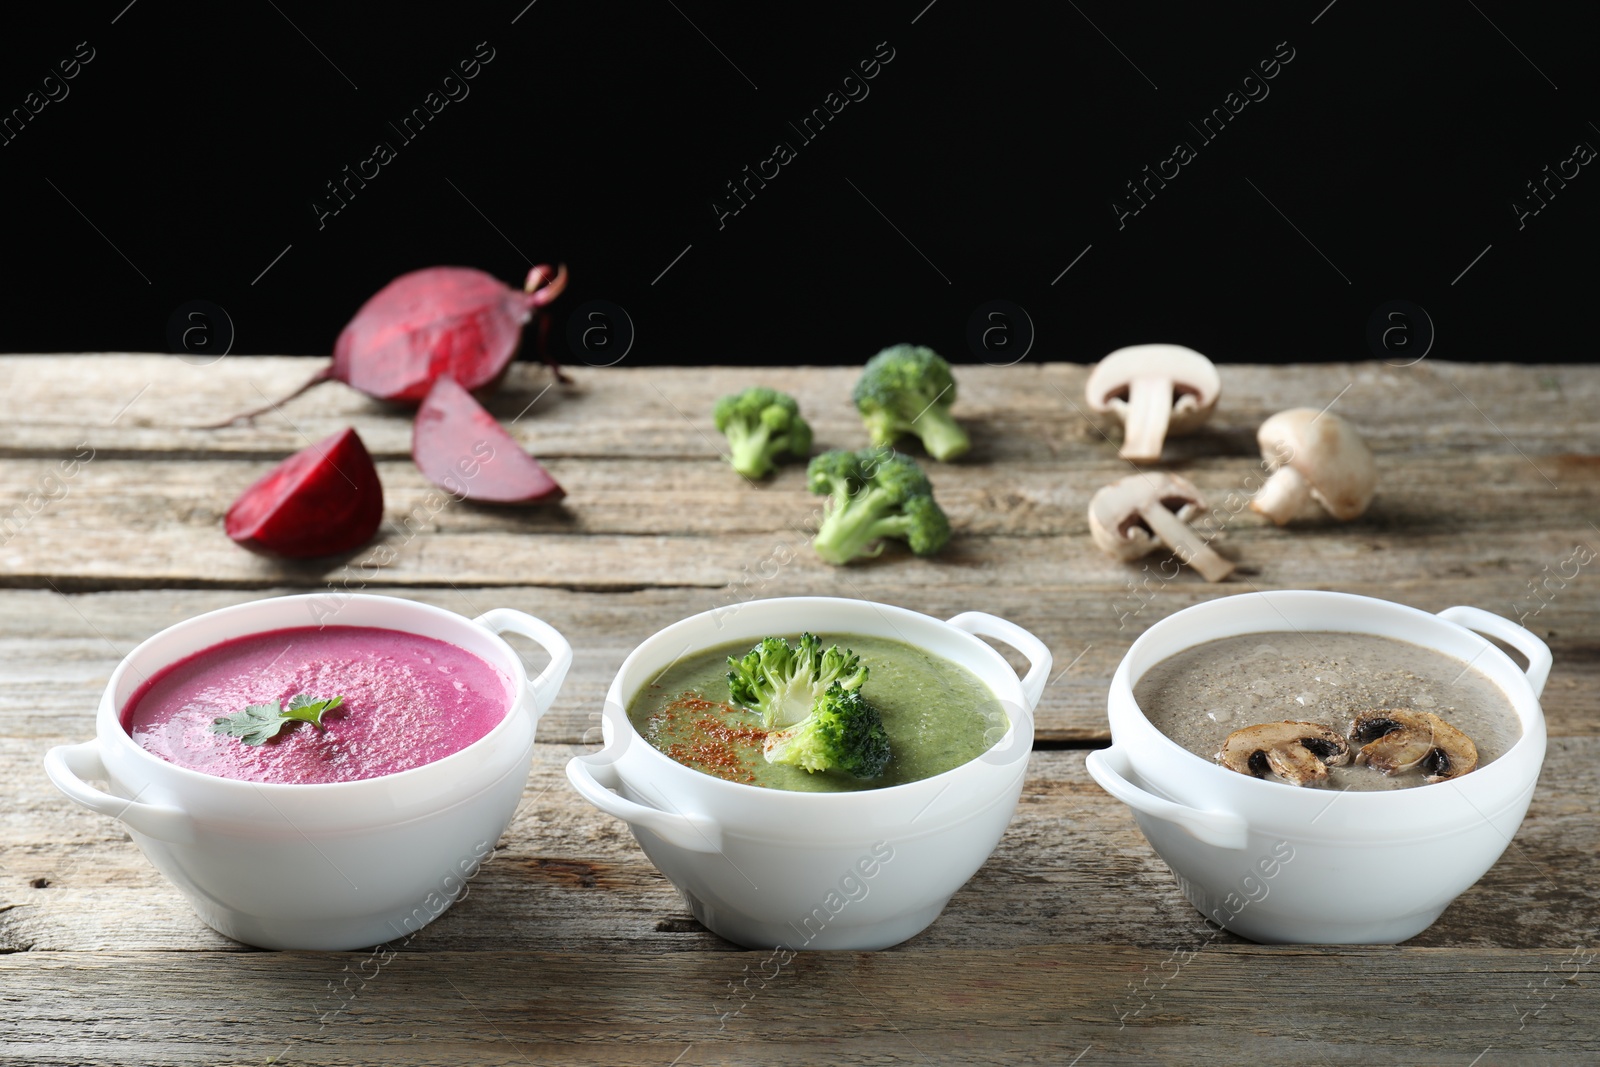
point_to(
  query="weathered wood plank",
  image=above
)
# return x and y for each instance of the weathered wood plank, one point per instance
(1044, 1004)
(125, 402)
(129, 523)
(571, 947)
(1072, 868)
(56, 651)
(706, 498)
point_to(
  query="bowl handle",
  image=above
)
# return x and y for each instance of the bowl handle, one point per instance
(1523, 641)
(545, 687)
(693, 832)
(1224, 829)
(1036, 651)
(69, 765)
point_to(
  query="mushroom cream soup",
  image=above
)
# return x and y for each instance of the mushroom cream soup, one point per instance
(1329, 684)
(938, 715)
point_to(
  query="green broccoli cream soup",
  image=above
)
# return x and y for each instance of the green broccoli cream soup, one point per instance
(936, 714)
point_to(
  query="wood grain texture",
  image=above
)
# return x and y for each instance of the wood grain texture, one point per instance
(177, 505)
(1043, 1004)
(1072, 868)
(1485, 473)
(149, 404)
(1071, 945)
(56, 650)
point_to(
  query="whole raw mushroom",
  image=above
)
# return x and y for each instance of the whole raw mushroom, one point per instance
(1136, 515)
(1314, 455)
(1155, 390)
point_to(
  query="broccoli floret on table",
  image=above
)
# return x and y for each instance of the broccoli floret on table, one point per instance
(762, 426)
(874, 494)
(908, 389)
(784, 683)
(843, 733)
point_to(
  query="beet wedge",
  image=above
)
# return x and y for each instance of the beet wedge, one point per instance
(442, 321)
(321, 501)
(463, 450)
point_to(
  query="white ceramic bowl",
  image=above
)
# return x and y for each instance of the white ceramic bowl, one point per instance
(339, 865)
(1278, 863)
(771, 868)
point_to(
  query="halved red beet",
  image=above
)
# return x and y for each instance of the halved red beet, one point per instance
(462, 449)
(430, 323)
(320, 501)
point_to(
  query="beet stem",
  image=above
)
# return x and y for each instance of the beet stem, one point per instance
(323, 375)
(544, 285)
(544, 350)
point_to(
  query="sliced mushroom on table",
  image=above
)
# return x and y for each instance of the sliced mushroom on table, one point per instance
(1155, 391)
(1298, 752)
(1136, 515)
(1314, 455)
(1394, 741)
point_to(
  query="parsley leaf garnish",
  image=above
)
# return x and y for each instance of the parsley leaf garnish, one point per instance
(305, 709)
(259, 723)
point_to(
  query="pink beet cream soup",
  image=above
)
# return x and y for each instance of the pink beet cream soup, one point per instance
(408, 701)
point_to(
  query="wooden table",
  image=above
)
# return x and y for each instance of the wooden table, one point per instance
(571, 948)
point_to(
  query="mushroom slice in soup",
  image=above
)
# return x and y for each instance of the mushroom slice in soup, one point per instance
(1394, 741)
(1298, 752)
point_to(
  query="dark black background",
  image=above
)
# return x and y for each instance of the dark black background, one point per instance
(983, 163)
